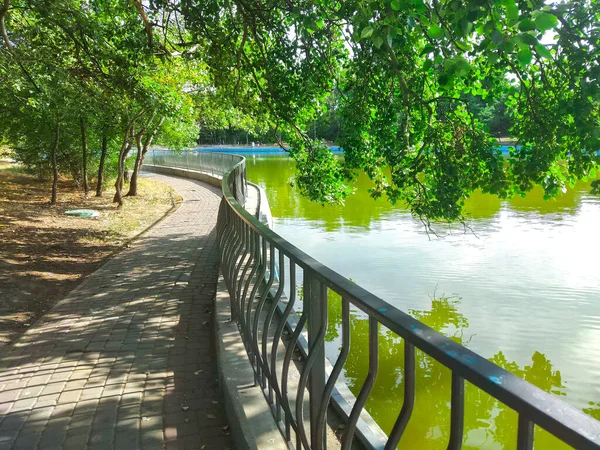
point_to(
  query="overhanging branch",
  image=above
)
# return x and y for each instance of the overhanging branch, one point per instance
(146, 20)
(9, 47)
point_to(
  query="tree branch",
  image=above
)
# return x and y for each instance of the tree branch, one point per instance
(3, 12)
(146, 20)
(9, 47)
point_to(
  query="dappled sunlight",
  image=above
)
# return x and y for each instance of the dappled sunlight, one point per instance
(128, 358)
(45, 254)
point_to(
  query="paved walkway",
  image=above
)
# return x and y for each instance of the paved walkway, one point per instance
(127, 360)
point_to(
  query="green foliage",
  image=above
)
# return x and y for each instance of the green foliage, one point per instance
(423, 88)
(415, 90)
(68, 59)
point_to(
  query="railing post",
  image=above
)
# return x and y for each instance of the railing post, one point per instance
(313, 301)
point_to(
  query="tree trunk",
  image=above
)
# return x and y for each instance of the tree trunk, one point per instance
(128, 138)
(118, 198)
(139, 160)
(99, 186)
(125, 169)
(54, 165)
(121, 172)
(86, 187)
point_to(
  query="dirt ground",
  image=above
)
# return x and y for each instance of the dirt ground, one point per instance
(44, 253)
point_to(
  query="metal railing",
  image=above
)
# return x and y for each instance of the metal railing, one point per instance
(258, 266)
(216, 164)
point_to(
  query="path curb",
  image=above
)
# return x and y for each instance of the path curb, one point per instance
(251, 422)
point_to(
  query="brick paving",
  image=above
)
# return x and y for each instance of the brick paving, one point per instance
(127, 360)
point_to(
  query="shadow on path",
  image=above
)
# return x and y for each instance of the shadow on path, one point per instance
(127, 360)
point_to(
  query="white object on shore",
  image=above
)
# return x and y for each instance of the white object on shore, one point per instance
(85, 213)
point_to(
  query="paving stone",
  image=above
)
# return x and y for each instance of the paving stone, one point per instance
(23, 405)
(27, 440)
(9, 395)
(126, 440)
(63, 410)
(90, 393)
(109, 367)
(53, 388)
(102, 437)
(76, 441)
(69, 396)
(12, 422)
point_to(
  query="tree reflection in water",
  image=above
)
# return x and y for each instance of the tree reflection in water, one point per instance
(489, 424)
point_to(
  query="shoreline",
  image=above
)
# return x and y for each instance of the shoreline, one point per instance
(503, 141)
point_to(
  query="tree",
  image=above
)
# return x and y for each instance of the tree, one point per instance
(37, 96)
(96, 72)
(404, 69)
(169, 99)
(410, 82)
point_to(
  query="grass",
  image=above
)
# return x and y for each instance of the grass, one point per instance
(45, 254)
(11, 168)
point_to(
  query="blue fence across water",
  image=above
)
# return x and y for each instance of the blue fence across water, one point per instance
(253, 150)
(278, 150)
(274, 150)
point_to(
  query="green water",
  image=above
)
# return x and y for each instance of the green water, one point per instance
(522, 290)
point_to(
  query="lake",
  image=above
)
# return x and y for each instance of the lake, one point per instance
(522, 289)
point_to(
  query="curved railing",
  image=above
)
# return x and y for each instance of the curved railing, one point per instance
(259, 266)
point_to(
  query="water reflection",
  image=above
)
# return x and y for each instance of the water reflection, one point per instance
(532, 261)
(360, 210)
(489, 424)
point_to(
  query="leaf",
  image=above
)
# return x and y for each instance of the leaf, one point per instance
(524, 56)
(427, 64)
(464, 46)
(507, 46)
(366, 32)
(377, 41)
(526, 25)
(461, 65)
(497, 37)
(545, 21)
(435, 32)
(396, 5)
(428, 49)
(484, 44)
(419, 6)
(543, 51)
(512, 10)
(466, 27)
(528, 39)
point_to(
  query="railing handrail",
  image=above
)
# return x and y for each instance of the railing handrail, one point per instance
(546, 410)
